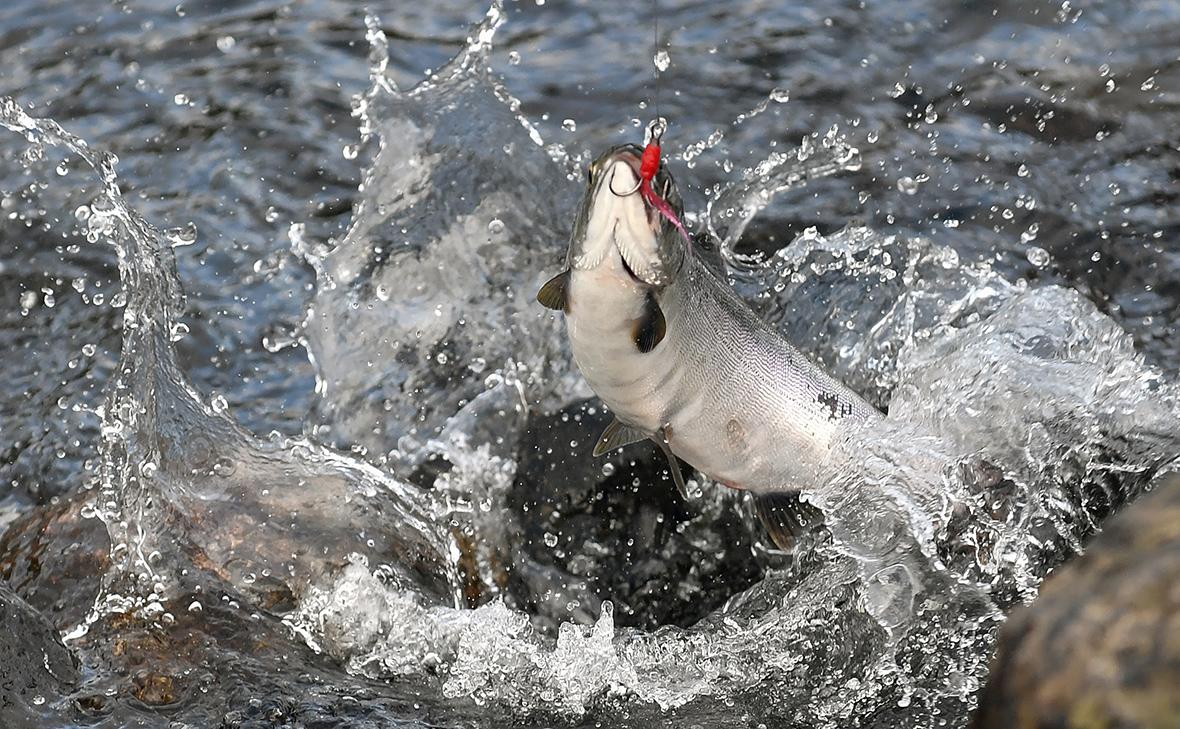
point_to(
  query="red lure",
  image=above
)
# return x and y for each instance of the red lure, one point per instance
(649, 165)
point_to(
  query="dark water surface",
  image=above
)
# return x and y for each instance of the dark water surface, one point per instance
(356, 421)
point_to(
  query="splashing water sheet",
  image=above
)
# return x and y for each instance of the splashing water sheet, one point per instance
(286, 440)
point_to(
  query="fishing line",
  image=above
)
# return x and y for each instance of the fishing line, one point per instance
(655, 49)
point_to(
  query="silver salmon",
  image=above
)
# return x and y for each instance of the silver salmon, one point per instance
(681, 360)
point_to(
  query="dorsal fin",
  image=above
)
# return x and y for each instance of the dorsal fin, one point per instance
(617, 435)
(784, 516)
(555, 293)
(673, 464)
(651, 326)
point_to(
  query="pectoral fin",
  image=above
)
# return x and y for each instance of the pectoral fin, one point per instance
(618, 435)
(555, 293)
(784, 516)
(651, 326)
(673, 464)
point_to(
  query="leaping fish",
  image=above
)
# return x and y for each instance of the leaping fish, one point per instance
(681, 360)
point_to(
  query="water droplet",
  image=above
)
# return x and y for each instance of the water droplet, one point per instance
(226, 43)
(872, 137)
(1022, 171)
(496, 227)
(550, 539)
(88, 350)
(1110, 86)
(218, 403)
(28, 300)
(195, 607)
(1030, 235)
(180, 100)
(907, 185)
(780, 96)
(608, 469)
(38, 700)
(350, 151)
(1037, 256)
(514, 58)
(63, 169)
(662, 60)
(569, 125)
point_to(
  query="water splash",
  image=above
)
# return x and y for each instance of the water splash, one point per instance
(175, 462)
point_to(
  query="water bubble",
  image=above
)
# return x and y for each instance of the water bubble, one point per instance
(780, 96)
(872, 137)
(608, 469)
(218, 403)
(569, 125)
(496, 226)
(907, 185)
(1037, 256)
(1148, 85)
(38, 700)
(1022, 171)
(662, 60)
(88, 349)
(82, 212)
(195, 607)
(179, 330)
(226, 43)
(180, 100)
(1031, 234)
(550, 539)
(514, 58)
(63, 169)
(1110, 86)
(224, 467)
(350, 151)
(28, 300)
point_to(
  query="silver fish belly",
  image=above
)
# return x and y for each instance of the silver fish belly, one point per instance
(678, 358)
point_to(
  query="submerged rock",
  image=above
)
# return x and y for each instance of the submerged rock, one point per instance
(1100, 647)
(35, 668)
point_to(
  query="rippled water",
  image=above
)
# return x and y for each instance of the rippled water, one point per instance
(287, 442)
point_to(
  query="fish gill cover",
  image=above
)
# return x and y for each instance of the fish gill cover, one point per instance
(1018, 418)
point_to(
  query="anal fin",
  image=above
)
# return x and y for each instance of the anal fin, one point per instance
(555, 293)
(617, 435)
(784, 516)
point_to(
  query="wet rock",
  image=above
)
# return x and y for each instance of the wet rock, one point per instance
(53, 557)
(1100, 647)
(35, 668)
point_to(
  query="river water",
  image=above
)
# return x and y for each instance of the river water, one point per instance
(286, 441)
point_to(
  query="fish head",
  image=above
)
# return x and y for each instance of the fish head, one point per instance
(614, 219)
